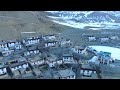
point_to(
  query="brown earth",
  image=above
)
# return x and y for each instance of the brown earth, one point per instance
(12, 23)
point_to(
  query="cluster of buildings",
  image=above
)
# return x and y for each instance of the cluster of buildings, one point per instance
(25, 58)
(101, 38)
(22, 59)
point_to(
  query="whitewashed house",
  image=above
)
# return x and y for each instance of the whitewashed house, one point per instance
(18, 63)
(65, 42)
(3, 72)
(31, 52)
(31, 41)
(3, 46)
(114, 38)
(104, 57)
(64, 74)
(68, 58)
(13, 44)
(104, 39)
(92, 38)
(52, 60)
(36, 61)
(78, 49)
(87, 70)
(6, 53)
(51, 43)
(49, 37)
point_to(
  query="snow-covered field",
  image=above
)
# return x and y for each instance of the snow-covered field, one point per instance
(73, 19)
(83, 25)
(115, 52)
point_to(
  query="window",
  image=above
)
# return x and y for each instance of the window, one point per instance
(72, 76)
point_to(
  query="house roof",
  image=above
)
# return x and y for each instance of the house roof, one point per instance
(18, 64)
(52, 57)
(36, 58)
(49, 35)
(79, 47)
(67, 55)
(94, 59)
(106, 58)
(3, 42)
(87, 67)
(66, 72)
(3, 66)
(104, 53)
(31, 38)
(50, 41)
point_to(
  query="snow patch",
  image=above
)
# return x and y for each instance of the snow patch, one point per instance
(115, 52)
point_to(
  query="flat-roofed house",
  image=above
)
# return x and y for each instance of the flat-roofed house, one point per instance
(78, 49)
(31, 41)
(114, 37)
(14, 44)
(104, 39)
(31, 52)
(50, 43)
(17, 63)
(3, 46)
(87, 70)
(104, 57)
(92, 38)
(36, 61)
(6, 53)
(67, 58)
(3, 72)
(49, 37)
(52, 60)
(64, 74)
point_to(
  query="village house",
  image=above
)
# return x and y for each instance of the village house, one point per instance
(6, 53)
(78, 49)
(49, 37)
(26, 73)
(65, 42)
(104, 39)
(3, 72)
(90, 49)
(22, 73)
(64, 74)
(36, 61)
(31, 41)
(17, 63)
(105, 57)
(13, 44)
(92, 38)
(37, 72)
(114, 38)
(16, 74)
(51, 43)
(52, 60)
(3, 46)
(67, 58)
(87, 71)
(31, 52)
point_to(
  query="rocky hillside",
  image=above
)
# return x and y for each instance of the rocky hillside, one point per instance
(12, 23)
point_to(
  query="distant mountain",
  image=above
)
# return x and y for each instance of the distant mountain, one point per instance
(87, 17)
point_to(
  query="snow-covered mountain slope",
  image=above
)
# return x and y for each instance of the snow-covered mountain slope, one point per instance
(82, 19)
